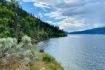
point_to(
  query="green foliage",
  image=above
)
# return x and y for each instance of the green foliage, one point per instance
(47, 58)
(15, 22)
(22, 50)
(41, 50)
(7, 46)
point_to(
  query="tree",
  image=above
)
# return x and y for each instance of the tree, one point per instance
(16, 22)
(3, 2)
(16, 19)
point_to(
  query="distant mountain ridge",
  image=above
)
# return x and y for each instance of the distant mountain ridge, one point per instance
(100, 30)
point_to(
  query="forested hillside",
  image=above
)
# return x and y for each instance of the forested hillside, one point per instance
(15, 22)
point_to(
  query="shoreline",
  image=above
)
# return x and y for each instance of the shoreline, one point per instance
(47, 62)
(57, 66)
(24, 56)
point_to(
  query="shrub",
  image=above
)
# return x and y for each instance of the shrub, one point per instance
(9, 47)
(48, 58)
(25, 49)
(41, 50)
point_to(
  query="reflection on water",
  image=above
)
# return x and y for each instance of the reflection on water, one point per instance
(77, 52)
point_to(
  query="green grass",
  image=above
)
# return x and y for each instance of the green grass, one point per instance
(46, 62)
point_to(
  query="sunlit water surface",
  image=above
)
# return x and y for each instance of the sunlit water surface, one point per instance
(77, 52)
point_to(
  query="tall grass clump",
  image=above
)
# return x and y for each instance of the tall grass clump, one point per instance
(47, 58)
(16, 56)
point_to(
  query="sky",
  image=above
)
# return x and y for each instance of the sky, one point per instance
(69, 15)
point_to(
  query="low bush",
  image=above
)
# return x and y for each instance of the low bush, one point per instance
(41, 50)
(47, 58)
(19, 53)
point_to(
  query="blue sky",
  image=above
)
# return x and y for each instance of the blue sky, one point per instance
(69, 15)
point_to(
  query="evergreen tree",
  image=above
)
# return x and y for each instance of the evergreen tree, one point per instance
(15, 22)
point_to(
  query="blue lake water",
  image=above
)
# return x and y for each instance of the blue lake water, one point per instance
(77, 52)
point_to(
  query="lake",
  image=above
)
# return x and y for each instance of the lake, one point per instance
(77, 52)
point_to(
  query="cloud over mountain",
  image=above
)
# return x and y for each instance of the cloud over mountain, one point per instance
(73, 14)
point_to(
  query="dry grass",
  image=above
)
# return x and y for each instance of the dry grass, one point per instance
(12, 63)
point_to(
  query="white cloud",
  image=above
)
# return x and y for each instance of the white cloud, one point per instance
(91, 13)
(41, 5)
(29, 0)
(71, 22)
(52, 1)
(70, 1)
(55, 15)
